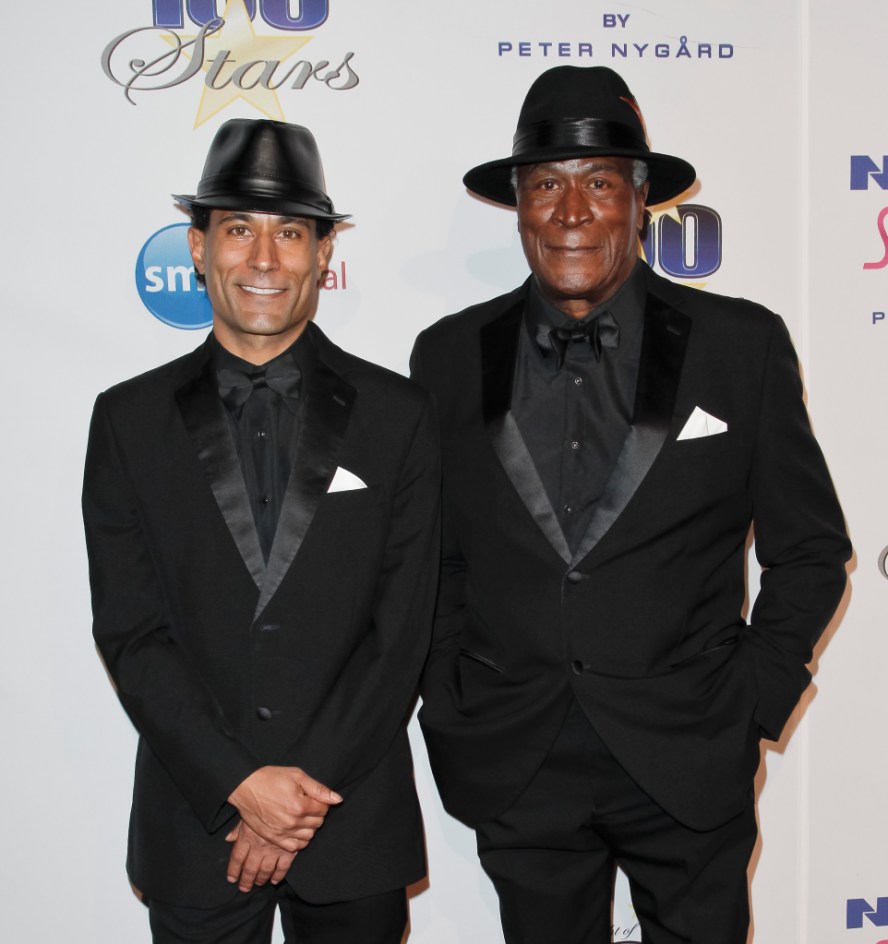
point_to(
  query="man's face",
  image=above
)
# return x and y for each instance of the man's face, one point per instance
(579, 222)
(262, 273)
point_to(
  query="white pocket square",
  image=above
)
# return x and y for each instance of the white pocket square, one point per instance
(345, 481)
(700, 423)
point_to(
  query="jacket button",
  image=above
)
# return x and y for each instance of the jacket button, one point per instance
(577, 667)
(263, 713)
(575, 576)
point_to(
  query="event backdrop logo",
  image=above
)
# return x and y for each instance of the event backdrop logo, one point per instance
(225, 54)
(621, 36)
(166, 283)
(858, 909)
(866, 171)
(167, 286)
(685, 241)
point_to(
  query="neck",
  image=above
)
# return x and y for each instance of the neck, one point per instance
(256, 349)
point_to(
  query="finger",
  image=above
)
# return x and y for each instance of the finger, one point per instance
(290, 844)
(305, 834)
(236, 860)
(281, 868)
(304, 820)
(317, 790)
(289, 840)
(248, 873)
(277, 835)
(308, 811)
(301, 812)
(266, 869)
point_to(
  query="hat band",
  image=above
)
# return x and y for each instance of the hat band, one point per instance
(231, 185)
(577, 132)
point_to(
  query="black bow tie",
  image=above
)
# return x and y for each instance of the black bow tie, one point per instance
(601, 332)
(235, 386)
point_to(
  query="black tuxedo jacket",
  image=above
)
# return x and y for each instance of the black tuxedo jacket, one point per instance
(643, 624)
(225, 664)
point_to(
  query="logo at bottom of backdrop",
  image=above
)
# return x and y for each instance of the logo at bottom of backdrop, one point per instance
(166, 283)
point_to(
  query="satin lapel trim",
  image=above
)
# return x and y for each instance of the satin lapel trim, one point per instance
(499, 349)
(328, 407)
(207, 425)
(516, 460)
(665, 339)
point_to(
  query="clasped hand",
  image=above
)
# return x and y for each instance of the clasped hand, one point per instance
(281, 809)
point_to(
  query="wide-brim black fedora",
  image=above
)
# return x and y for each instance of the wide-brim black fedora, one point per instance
(574, 112)
(264, 166)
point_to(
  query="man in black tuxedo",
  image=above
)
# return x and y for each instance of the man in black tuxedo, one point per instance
(261, 520)
(594, 695)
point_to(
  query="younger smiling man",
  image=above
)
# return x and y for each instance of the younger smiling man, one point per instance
(261, 526)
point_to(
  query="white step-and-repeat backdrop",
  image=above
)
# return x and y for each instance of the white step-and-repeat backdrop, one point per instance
(108, 107)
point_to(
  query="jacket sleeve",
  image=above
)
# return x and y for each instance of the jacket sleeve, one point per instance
(160, 689)
(800, 540)
(440, 669)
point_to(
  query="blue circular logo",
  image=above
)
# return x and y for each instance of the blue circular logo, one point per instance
(166, 283)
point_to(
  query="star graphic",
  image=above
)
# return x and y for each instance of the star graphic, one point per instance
(239, 44)
(672, 213)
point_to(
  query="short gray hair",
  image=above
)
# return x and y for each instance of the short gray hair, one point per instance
(639, 175)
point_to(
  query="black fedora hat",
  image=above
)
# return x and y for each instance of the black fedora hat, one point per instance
(572, 112)
(264, 166)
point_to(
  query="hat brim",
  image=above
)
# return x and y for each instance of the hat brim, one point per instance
(258, 204)
(667, 176)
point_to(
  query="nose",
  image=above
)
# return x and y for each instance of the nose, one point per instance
(264, 255)
(573, 209)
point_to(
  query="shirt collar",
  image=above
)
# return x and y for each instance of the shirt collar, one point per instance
(626, 305)
(302, 350)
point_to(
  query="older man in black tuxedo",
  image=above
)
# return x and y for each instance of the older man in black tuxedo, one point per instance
(594, 695)
(261, 524)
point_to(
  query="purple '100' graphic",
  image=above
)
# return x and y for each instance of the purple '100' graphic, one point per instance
(687, 248)
(276, 13)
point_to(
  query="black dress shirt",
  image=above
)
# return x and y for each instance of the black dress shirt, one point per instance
(575, 418)
(265, 430)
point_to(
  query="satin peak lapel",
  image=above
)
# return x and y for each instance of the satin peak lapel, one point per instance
(499, 349)
(207, 425)
(327, 408)
(666, 333)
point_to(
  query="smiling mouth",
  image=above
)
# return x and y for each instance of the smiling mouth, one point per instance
(255, 290)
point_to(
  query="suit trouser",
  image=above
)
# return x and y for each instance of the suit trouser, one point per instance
(552, 856)
(249, 919)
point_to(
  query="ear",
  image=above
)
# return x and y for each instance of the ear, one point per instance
(642, 194)
(196, 243)
(325, 252)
